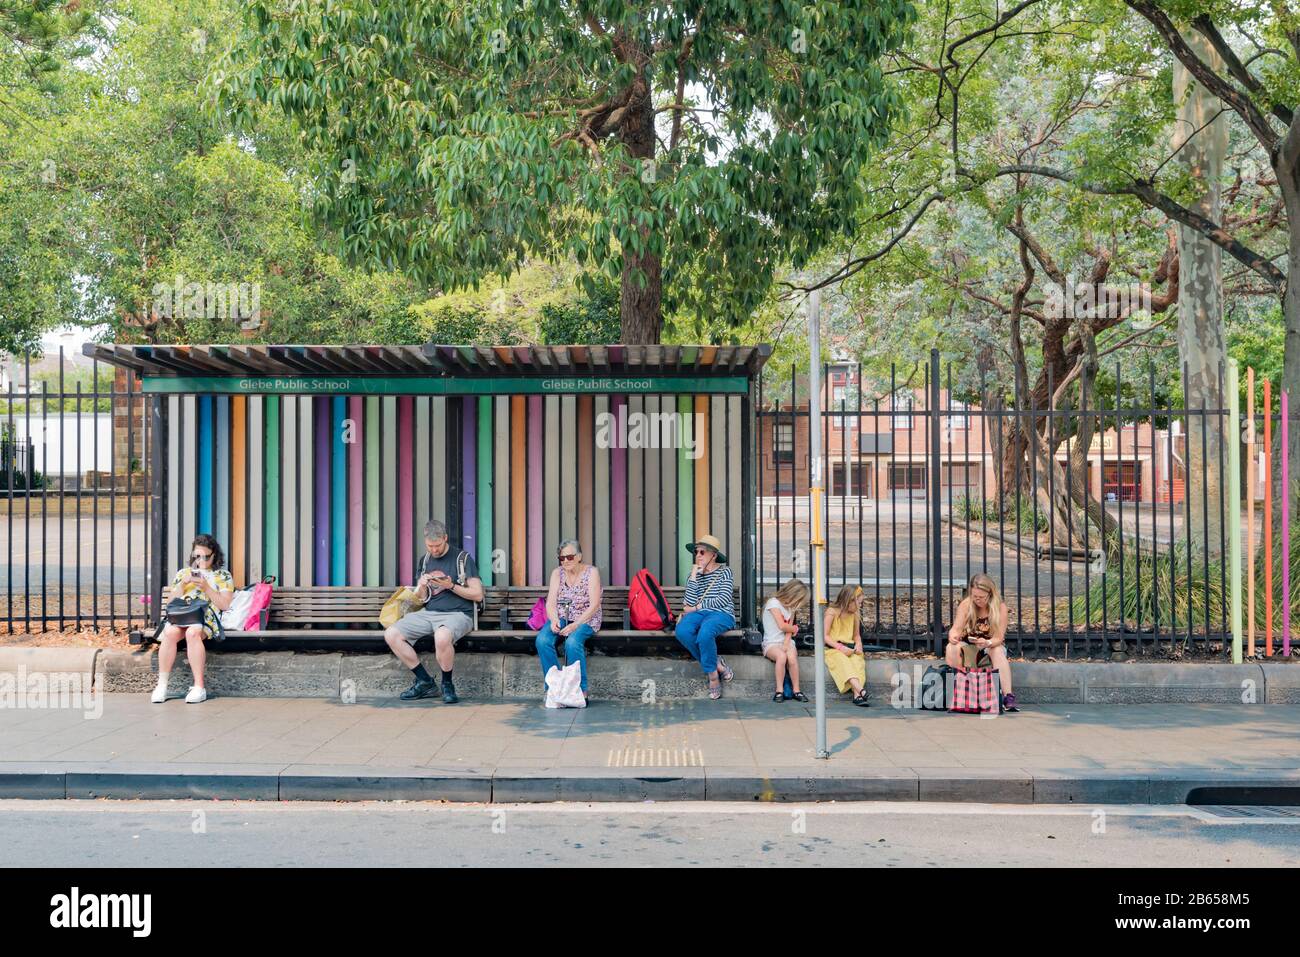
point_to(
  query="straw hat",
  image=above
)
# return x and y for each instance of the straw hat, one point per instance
(709, 541)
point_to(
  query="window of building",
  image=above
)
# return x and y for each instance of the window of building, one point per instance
(783, 442)
(902, 406)
(958, 419)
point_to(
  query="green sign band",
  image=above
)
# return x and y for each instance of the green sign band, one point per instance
(421, 385)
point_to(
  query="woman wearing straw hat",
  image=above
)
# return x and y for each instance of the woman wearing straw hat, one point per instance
(708, 610)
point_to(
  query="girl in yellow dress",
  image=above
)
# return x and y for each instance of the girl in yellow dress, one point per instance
(844, 658)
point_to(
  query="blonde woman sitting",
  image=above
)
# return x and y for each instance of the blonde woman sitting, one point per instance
(979, 630)
(844, 657)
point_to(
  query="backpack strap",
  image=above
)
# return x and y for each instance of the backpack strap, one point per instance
(462, 562)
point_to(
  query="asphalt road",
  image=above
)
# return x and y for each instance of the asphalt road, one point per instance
(206, 833)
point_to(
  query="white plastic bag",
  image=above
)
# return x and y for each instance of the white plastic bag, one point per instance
(564, 687)
(234, 617)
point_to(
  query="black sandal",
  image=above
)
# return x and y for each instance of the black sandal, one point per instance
(779, 696)
(861, 700)
(800, 696)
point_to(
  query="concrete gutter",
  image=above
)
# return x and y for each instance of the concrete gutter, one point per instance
(300, 782)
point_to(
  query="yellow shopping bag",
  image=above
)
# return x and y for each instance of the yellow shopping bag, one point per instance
(400, 603)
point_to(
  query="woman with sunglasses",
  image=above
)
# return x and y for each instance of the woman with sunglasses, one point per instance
(844, 656)
(204, 578)
(572, 610)
(708, 610)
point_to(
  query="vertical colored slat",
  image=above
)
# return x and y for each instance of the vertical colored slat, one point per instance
(569, 464)
(483, 509)
(238, 490)
(536, 507)
(321, 490)
(1287, 508)
(306, 490)
(388, 544)
(717, 473)
(339, 492)
(469, 479)
(372, 517)
(685, 486)
(191, 452)
(206, 464)
(734, 446)
(700, 447)
(221, 476)
(636, 462)
(500, 510)
(601, 504)
(175, 506)
(1268, 518)
(405, 489)
(438, 462)
(271, 489)
(518, 491)
(584, 475)
(356, 541)
(289, 484)
(653, 518)
(554, 466)
(618, 494)
(256, 498)
(420, 474)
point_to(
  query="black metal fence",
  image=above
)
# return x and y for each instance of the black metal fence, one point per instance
(926, 484)
(75, 543)
(1098, 525)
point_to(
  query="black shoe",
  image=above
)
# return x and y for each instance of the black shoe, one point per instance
(799, 696)
(449, 695)
(421, 689)
(779, 696)
(861, 700)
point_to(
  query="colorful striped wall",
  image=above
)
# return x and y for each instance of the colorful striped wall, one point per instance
(334, 490)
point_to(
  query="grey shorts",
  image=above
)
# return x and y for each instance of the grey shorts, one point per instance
(423, 623)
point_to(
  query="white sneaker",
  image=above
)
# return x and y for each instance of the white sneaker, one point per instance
(159, 695)
(196, 695)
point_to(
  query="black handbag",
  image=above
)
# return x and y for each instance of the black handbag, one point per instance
(187, 611)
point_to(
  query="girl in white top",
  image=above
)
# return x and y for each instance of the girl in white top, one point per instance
(779, 629)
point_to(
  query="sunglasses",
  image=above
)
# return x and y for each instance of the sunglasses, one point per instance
(197, 557)
(703, 551)
(567, 558)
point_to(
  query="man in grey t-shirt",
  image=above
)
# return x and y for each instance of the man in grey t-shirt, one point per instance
(449, 587)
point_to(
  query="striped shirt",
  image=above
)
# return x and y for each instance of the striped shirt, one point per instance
(713, 592)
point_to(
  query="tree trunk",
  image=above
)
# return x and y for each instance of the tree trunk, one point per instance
(1287, 168)
(1201, 141)
(641, 285)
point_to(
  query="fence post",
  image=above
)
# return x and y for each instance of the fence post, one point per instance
(936, 476)
(158, 507)
(1234, 505)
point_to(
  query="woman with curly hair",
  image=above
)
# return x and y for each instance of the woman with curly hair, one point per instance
(204, 577)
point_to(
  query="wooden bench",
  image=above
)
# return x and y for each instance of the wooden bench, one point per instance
(350, 615)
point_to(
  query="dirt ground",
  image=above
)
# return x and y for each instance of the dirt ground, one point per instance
(112, 638)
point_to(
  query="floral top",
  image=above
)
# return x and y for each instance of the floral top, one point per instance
(572, 601)
(219, 580)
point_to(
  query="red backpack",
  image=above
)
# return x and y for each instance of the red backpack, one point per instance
(647, 605)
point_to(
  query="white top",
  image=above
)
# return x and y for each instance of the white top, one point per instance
(773, 635)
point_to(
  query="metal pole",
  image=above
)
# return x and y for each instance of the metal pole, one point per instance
(816, 542)
(936, 515)
(1234, 504)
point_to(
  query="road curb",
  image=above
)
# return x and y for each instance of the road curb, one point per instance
(298, 782)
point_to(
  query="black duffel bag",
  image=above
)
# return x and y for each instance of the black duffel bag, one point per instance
(187, 611)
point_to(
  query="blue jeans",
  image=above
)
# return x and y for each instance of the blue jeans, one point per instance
(574, 648)
(698, 632)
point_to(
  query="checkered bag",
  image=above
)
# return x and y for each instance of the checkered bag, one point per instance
(976, 691)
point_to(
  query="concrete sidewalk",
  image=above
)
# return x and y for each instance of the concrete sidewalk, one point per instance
(734, 749)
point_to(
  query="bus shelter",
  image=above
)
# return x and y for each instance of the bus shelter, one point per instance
(319, 464)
